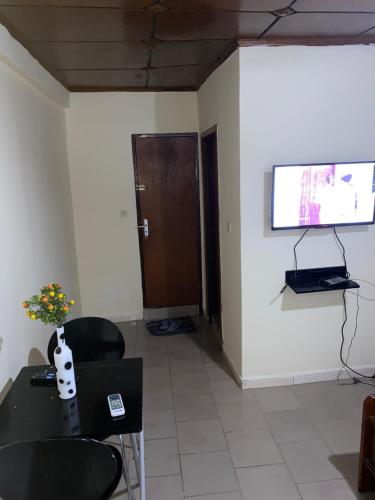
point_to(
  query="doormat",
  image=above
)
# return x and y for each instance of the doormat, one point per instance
(171, 326)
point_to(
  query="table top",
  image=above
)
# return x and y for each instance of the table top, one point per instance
(32, 412)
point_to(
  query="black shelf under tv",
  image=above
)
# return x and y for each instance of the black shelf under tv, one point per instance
(309, 280)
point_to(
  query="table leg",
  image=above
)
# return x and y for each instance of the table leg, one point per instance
(135, 447)
(126, 469)
(142, 465)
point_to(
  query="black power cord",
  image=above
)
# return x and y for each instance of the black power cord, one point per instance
(345, 363)
(295, 251)
(343, 250)
(295, 259)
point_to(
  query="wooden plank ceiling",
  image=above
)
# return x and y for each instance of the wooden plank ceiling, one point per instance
(169, 44)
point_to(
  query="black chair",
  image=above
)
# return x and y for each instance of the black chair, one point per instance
(90, 339)
(58, 469)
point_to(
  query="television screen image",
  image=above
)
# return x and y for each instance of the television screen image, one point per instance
(323, 195)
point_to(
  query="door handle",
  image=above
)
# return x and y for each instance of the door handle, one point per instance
(145, 228)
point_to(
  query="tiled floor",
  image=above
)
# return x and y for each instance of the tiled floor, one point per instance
(208, 440)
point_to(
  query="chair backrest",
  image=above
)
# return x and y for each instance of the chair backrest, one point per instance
(59, 469)
(91, 339)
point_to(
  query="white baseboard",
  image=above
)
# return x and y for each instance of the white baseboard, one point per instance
(302, 378)
(118, 318)
(253, 383)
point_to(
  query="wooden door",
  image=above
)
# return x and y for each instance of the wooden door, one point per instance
(166, 177)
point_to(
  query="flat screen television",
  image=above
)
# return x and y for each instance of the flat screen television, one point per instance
(323, 195)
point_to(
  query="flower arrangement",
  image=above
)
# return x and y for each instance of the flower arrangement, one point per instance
(50, 306)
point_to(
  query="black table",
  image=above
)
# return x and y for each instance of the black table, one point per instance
(32, 413)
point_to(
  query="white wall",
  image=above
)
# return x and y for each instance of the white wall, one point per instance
(218, 102)
(301, 104)
(37, 241)
(99, 128)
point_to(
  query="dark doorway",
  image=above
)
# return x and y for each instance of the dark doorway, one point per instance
(212, 226)
(167, 193)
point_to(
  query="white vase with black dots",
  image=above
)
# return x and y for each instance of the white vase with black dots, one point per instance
(66, 382)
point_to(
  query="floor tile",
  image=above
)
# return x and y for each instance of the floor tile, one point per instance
(190, 383)
(200, 436)
(164, 488)
(156, 377)
(339, 489)
(145, 342)
(254, 447)
(276, 399)
(183, 350)
(349, 465)
(218, 371)
(212, 354)
(219, 496)
(315, 387)
(354, 396)
(227, 391)
(189, 365)
(241, 416)
(157, 399)
(270, 482)
(326, 406)
(195, 407)
(128, 330)
(342, 436)
(310, 461)
(130, 351)
(153, 358)
(208, 473)
(291, 426)
(162, 457)
(159, 424)
(160, 488)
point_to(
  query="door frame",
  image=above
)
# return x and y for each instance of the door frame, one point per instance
(134, 137)
(206, 133)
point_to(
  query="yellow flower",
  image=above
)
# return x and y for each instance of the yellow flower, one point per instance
(50, 307)
(72, 302)
(33, 316)
(66, 308)
(60, 295)
(52, 294)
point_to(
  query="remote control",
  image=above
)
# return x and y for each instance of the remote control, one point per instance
(116, 406)
(46, 377)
